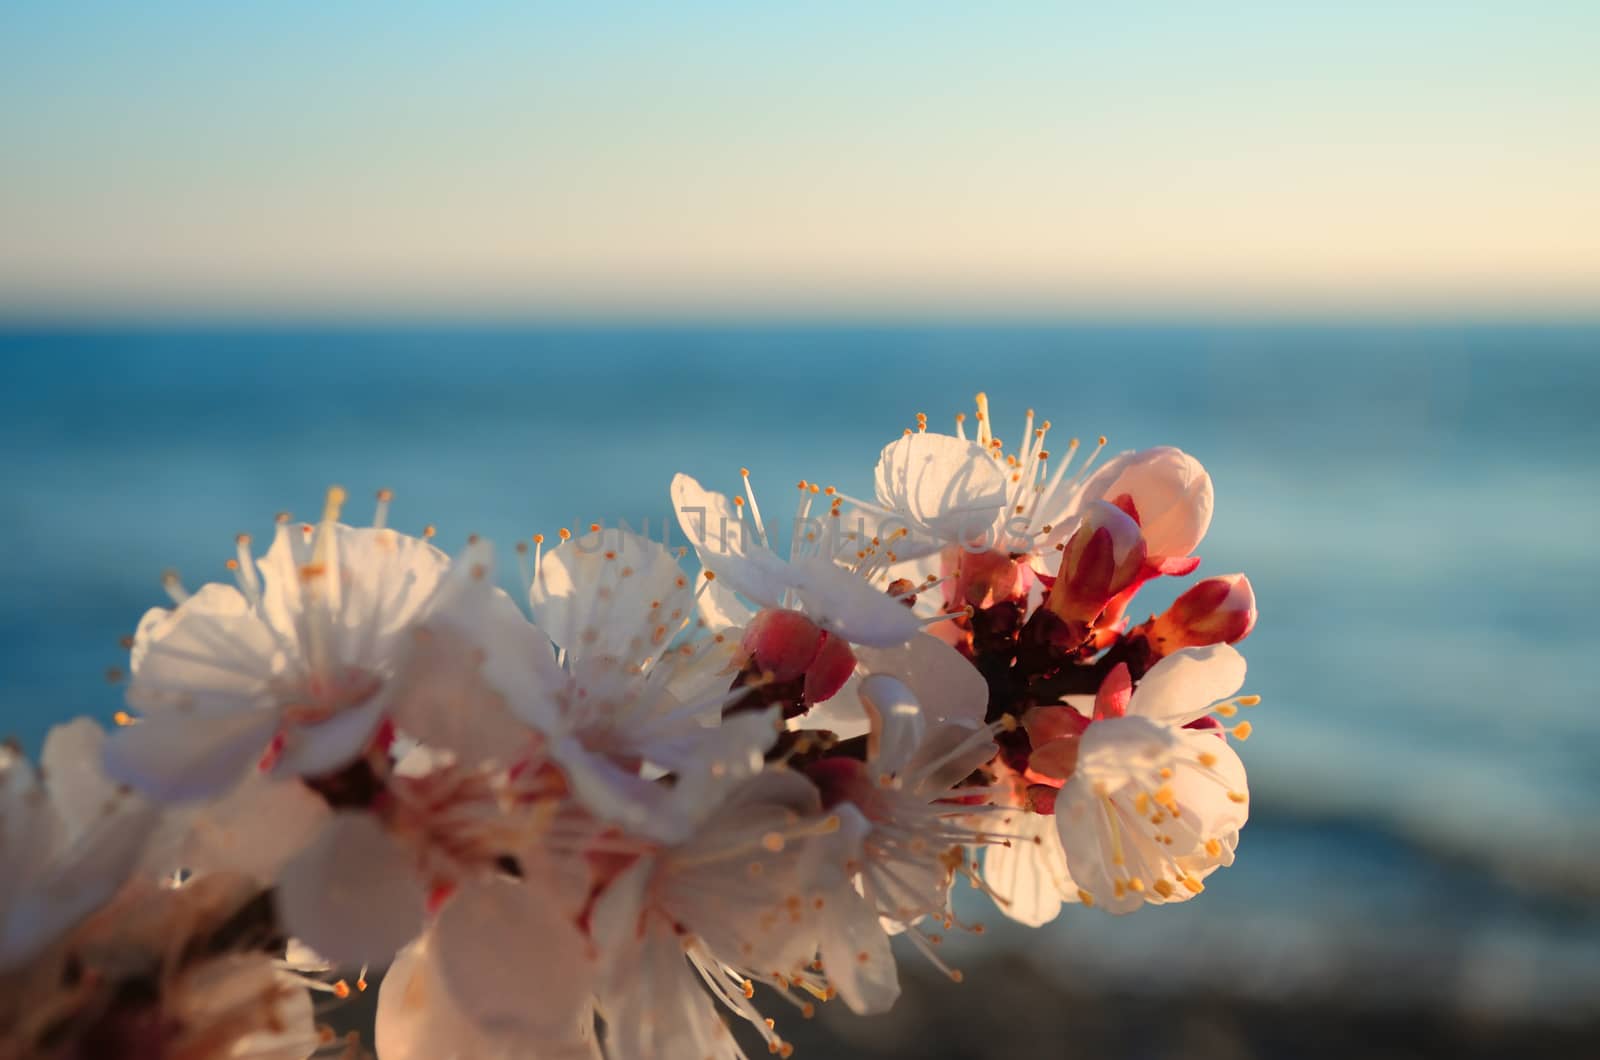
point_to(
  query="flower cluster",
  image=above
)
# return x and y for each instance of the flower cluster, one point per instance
(635, 801)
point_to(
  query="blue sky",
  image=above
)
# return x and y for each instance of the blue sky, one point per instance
(183, 156)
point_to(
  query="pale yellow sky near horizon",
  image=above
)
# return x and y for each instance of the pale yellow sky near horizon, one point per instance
(1033, 159)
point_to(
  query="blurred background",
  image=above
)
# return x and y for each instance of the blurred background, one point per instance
(522, 263)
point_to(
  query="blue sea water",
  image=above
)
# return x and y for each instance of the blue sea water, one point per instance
(1417, 506)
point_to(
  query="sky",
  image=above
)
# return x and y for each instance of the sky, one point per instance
(177, 157)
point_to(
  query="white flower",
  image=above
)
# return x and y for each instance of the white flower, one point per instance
(362, 887)
(293, 671)
(1151, 808)
(853, 624)
(627, 699)
(848, 601)
(730, 906)
(960, 495)
(904, 836)
(69, 839)
(956, 492)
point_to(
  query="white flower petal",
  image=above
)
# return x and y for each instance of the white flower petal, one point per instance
(1184, 685)
(608, 592)
(1028, 874)
(898, 725)
(176, 758)
(513, 960)
(947, 686)
(855, 953)
(841, 713)
(352, 894)
(312, 750)
(849, 605)
(727, 545)
(227, 834)
(950, 487)
(210, 654)
(446, 699)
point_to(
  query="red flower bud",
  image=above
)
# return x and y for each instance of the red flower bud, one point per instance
(782, 643)
(832, 667)
(1220, 610)
(788, 645)
(1104, 556)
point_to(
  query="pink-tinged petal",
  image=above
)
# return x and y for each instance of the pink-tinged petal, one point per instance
(352, 894)
(1184, 685)
(1055, 760)
(1044, 724)
(950, 487)
(177, 758)
(1176, 566)
(1111, 700)
(513, 961)
(855, 952)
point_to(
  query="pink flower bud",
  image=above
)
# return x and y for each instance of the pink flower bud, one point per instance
(1220, 610)
(1105, 555)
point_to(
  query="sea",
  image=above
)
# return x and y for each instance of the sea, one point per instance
(1417, 504)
